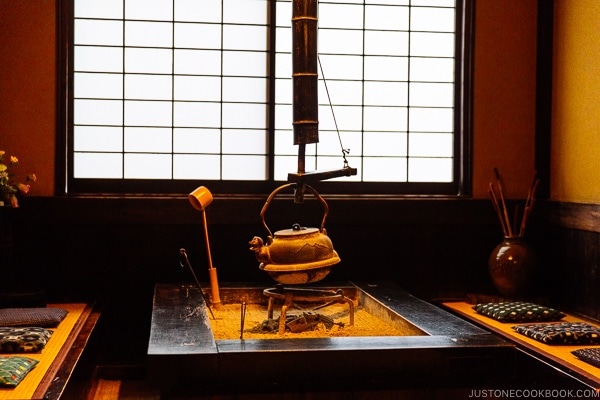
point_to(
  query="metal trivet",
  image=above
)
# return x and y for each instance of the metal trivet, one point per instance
(291, 295)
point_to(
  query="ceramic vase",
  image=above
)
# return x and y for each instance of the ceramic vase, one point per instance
(512, 267)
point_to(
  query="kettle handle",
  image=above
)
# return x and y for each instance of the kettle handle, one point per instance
(279, 189)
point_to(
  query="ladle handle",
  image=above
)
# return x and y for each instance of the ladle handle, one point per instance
(287, 185)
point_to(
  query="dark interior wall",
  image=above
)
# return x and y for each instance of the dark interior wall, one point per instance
(113, 251)
(572, 241)
(90, 241)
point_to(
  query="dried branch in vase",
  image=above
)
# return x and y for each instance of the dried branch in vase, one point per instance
(519, 223)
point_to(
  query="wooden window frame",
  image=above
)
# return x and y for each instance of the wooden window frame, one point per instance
(461, 185)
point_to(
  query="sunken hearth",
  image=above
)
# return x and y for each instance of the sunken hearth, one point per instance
(430, 346)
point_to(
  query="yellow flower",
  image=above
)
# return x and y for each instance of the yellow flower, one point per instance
(9, 189)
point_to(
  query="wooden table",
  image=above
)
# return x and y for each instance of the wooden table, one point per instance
(58, 359)
(557, 356)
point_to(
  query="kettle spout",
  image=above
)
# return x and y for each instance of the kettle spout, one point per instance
(260, 250)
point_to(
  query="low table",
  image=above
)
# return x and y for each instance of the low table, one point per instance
(557, 356)
(58, 359)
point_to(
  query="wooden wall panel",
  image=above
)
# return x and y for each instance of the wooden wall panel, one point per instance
(569, 234)
(113, 251)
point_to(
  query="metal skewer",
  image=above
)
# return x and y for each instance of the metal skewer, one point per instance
(242, 319)
(184, 261)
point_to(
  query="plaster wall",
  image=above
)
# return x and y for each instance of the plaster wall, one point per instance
(575, 102)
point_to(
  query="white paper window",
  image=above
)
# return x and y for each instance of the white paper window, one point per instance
(186, 89)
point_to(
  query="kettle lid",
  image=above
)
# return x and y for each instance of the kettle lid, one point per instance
(296, 230)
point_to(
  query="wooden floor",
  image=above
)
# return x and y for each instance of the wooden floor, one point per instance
(130, 383)
(106, 389)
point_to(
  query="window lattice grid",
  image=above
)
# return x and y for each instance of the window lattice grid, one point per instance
(172, 87)
(181, 91)
(389, 69)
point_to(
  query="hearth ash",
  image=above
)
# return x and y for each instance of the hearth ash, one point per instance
(307, 321)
